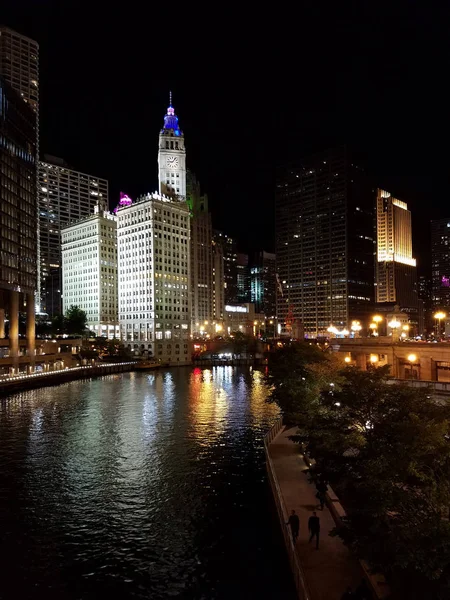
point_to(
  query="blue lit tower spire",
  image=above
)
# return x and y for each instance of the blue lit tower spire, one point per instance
(171, 119)
(172, 157)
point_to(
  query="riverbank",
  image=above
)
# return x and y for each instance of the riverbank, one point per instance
(37, 380)
(322, 574)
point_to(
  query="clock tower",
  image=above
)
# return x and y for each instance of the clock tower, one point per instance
(172, 157)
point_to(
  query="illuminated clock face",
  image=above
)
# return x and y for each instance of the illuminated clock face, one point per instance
(172, 162)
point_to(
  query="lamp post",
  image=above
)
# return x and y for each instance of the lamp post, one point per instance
(356, 328)
(412, 358)
(405, 331)
(439, 316)
(376, 320)
(394, 325)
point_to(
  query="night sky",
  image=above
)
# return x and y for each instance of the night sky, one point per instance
(252, 89)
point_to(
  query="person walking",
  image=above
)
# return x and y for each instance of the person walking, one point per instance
(314, 528)
(321, 491)
(294, 522)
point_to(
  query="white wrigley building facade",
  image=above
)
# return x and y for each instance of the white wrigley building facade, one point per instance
(153, 246)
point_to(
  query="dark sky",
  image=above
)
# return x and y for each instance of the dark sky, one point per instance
(252, 89)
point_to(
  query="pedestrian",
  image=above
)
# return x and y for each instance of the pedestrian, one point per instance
(321, 497)
(362, 591)
(314, 528)
(348, 594)
(294, 522)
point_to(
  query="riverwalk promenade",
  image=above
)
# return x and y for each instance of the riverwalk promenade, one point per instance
(322, 574)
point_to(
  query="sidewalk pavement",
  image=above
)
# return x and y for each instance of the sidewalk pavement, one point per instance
(329, 570)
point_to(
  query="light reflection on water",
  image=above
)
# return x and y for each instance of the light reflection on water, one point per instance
(142, 485)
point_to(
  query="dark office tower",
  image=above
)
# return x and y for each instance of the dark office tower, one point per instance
(19, 66)
(242, 278)
(440, 264)
(230, 259)
(263, 283)
(18, 216)
(201, 284)
(324, 244)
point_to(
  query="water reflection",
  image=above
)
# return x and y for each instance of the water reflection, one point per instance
(140, 485)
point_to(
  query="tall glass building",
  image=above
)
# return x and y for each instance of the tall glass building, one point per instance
(324, 243)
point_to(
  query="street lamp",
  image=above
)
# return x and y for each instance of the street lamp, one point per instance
(412, 358)
(394, 325)
(439, 316)
(373, 358)
(377, 319)
(347, 359)
(332, 329)
(356, 327)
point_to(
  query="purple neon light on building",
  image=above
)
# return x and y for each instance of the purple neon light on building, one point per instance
(124, 200)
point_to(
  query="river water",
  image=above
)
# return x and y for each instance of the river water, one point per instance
(140, 485)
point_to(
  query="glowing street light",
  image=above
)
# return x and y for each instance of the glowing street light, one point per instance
(439, 316)
(412, 358)
(373, 358)
(347, 359)
(394, 325)
(377, 319)
(332, 329)
(356, 327)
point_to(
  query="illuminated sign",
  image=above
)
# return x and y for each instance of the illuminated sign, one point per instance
(240, 309)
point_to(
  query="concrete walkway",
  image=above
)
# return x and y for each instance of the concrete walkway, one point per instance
(330, 569)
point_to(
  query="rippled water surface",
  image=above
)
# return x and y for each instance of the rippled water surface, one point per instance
(141, 485)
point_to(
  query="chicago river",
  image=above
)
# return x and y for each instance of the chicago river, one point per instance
(140, 485)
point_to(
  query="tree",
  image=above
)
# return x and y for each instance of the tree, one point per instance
(298, 373)
(75, 320)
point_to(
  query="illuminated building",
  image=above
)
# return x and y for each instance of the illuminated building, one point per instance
(396, 273)
(242, 278)
(263, 283)
(19, 66)
(172, 157)
(243, 318)
(218, 281)
(324, 244)
(64, 196)
(153, 243)
(89, 270)
(202, 287)
(230, 260)
(440, 264)
(18, 216)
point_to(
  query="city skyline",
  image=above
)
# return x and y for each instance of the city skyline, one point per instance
(110, 135)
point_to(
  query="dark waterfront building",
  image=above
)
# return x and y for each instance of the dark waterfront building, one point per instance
(230, 259)
(202, 287)
(242, 278)
(18, 217)
(324, 243)
(440, 264)
(263, 283)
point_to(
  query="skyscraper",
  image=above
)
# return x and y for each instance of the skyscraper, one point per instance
(89, 270)
(18, 215)
(218, 281)
(201, 256)
(396, 273)
(440, 264)
(19, 66)
(263, 283)
(172, 157)
(64, 196)
(154, 263)
(230, 259)
(324, 243)
(242, 278)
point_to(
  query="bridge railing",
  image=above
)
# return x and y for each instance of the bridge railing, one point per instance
(294, 562)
